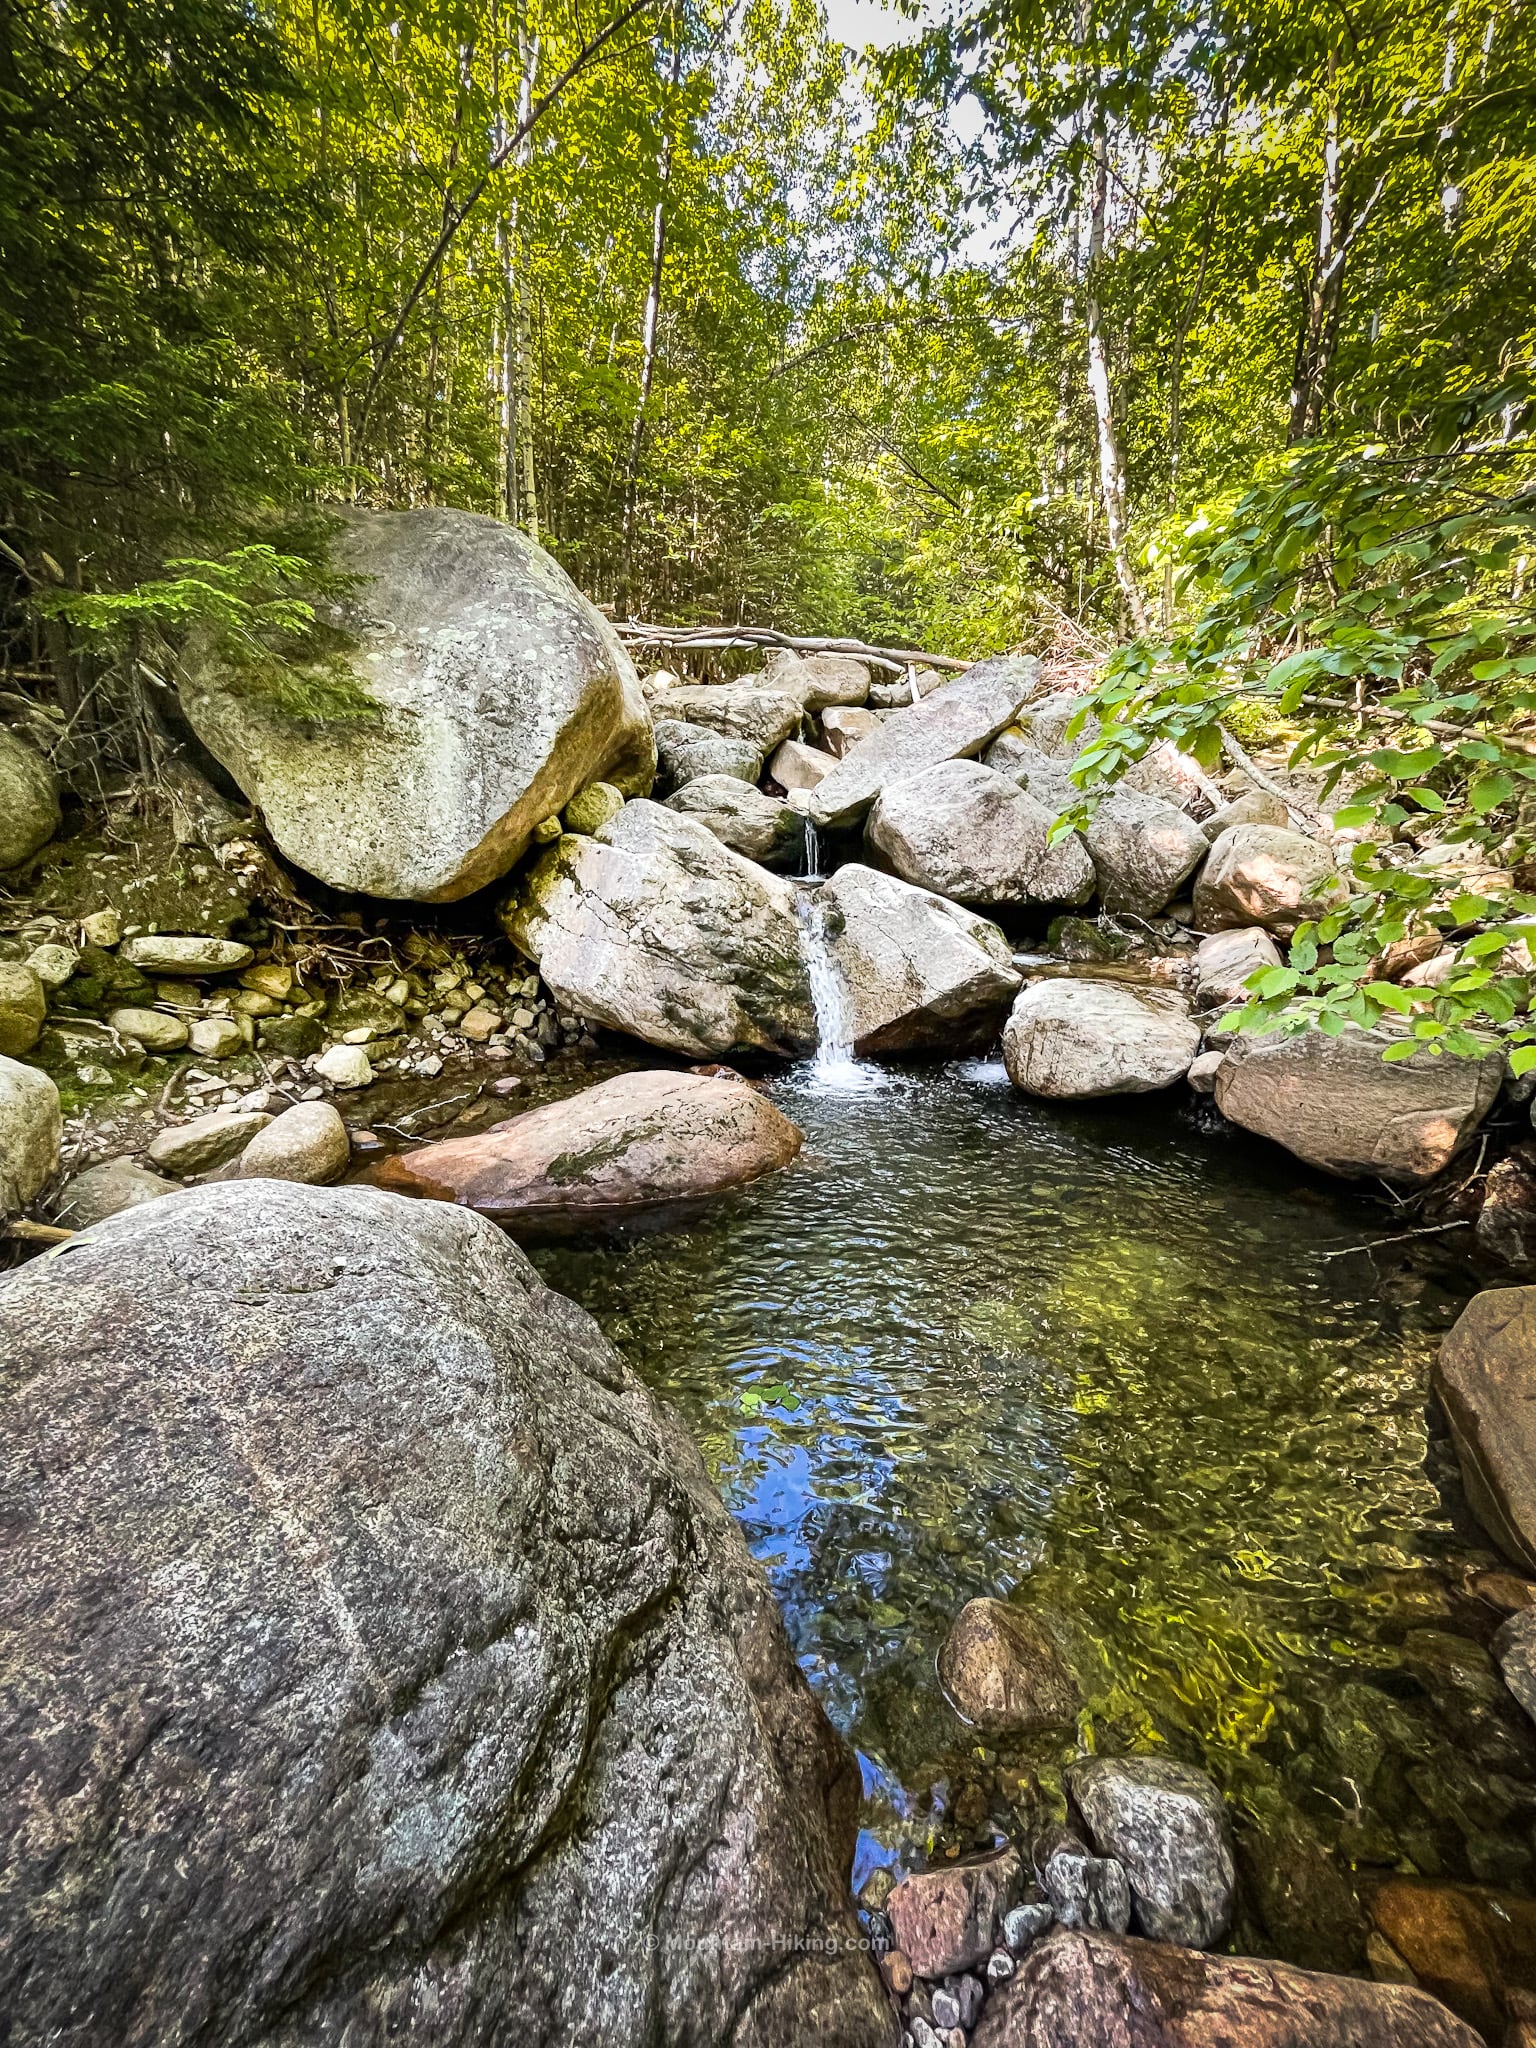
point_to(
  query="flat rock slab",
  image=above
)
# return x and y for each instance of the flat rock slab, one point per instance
(637, 1142)
(1485, 1375)
(1085, 1990)
(382, 1666)
(1336, 1103)
(1167, 1824)
(956, 721)
(1071, 1039)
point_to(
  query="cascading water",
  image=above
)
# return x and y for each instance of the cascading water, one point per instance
(812, 854)
(833, 1065)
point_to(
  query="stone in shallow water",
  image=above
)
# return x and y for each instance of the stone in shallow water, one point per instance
(410, 1679)
(1469, 1945)
(1485, 1376)
(1167, 1825)
(1085, 1890)
(948, 1919)
(1068, 1039)
(1003, 1673)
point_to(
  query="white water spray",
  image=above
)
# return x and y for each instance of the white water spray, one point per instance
(834, 1065)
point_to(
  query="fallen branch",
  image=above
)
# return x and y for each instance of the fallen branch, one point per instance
(40, 1233)
(1398, 1237)
(895, 658)
(1256, 775)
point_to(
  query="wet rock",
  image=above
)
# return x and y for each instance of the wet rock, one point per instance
(29, 800)
(214, 1038)
(1084, 1890)
(1224, 961)
(919, 974)
(155, 1030)
(1336, 1103)
(1472, 1947)
(970, 834)
(1076, 1989)
(1485, 1376)
(797, 766)
(1515, 1648)
(591, 808)
(843, 728)
(1167, 1825)
(409, 1678)
(1003, 1673)
(205, 1142)
(955, 722)
(655, 928)
(761, 827)
(1265, 875)
(306, 1143)
(1307, 1907)
(1144, 849)
(948, 1918)
(104, 1190)
(163, 954)
(1000, 1966)
(632, 1143)
(1070, 1039)
(897, 1972)
(1253, 807)
(31, 1129)
(345, 1066)
(684, 752)
(23, 1009)
(1024, 1924)
(481, 692)
(760, 716)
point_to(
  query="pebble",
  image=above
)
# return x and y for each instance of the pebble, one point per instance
(215, 1038)
(1000, 1966)
(969, 1991)
(946, 2010)
(1086, 1890)
(162, 954)
(1026, 1923)
(102, 928)
(509, 1084)
(923, 2036)
(896, 1971)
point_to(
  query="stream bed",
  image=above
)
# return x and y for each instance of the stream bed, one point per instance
(1143, 1377)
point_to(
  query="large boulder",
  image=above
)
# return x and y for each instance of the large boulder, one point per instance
(654, 927)
(1144, 849)
(473, 692)
(685, 753)
(31, 1130)
(819, 681)
(29, 800)
(1048, 719)
(1336, 1103)
(1485, 1376)
(954, 723)
(762, 827)
(738, 711)
(636, 1142)
(1079, 1988)
(1166, 1823)
(919, 973)
(971, 834)
(1070, 1038)
(1047, 777)
(1264, 874)
(381, 1664)
(1163, 771)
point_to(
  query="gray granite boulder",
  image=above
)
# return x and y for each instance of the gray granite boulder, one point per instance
(685, 753)
(762, 827)
(1069, 1039)
(967, 832)
(1166, 1823)
(1144, 850)
(31, 1130)
(29, 800)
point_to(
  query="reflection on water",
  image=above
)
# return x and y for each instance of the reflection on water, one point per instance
(1099, 1359)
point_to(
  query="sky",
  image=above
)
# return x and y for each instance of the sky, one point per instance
(865, 22)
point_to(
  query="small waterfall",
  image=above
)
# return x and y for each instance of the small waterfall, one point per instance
(812, 854)
(834, 1064)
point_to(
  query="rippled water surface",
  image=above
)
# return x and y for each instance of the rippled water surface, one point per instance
(1113, 1366)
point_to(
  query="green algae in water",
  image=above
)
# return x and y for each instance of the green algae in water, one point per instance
(1102, 1362)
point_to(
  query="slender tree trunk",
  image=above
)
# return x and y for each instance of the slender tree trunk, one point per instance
(1111, 457)
(1319, 324)
(648, 331)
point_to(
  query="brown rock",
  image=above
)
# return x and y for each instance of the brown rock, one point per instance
(845, 725)
(1472, 1947)
(897, 1972)
(1262, 874)
(635, 1142)
(1486, 1379)
(947, 1920)
(1506, 1223)
(1078, 1989)
(1001, 1670)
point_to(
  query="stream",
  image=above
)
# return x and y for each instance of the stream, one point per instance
(1140, 1375)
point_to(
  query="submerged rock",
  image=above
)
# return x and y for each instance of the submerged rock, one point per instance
(1469, 1945)
(951, 1918)
(1485, 1376)
(686, 752)
(1084, 1890)
(1003, 1673)
(655, 928)
(1076, 1989)
(762, 827)
(29, 800)
(1167, 1825)
(408, 1678)
(1265, 875)
(635, 1142)
(475, 692)
(1071, 1039)
(919, 974)
(1336, 1103)
(31, 1130)
(969, 833)
(1515, 1649)
(1144, 849)
(956, 721)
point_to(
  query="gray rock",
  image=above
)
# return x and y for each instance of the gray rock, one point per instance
(1224, 961)
(1047, 719)
(946, 2009)
(919, 973)
(161, 953)
(955, 722)
(53, 963)
(1202, 1074)
(1144, 849)
(215, 1038)
(102, 1191)
(205, 1142)
(29, 800)
(1262, 874)
(1253, 807)
(1000, 1966)
(155, 1030)
(1085, 1890)
(685, 752)
(31, 1129)
(1166, 1824)
(969, 833)
(345, 1066)
(23, 1009)
(763, 828)
(1069, 1039)
(797, 766)
(1177, 778)
(843, 728)
(1336, 1103)
(969, 1993)
(483, 691)
(409, 1679)
(1047, 777)
(1514, 1647)
(819, 682)
(1026, 1923)
(655, 928)
(306, 1143)
(760, 716)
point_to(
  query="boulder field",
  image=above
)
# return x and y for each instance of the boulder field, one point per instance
(383, 1665)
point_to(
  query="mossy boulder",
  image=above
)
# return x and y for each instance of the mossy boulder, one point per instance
(23, 1008)
(29, 800)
